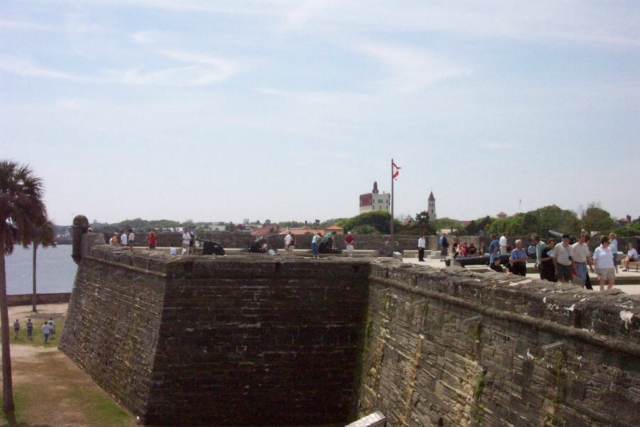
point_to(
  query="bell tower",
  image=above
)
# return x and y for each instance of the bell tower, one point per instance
(431, 210)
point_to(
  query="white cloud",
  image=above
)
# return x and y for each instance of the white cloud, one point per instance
(412, 69)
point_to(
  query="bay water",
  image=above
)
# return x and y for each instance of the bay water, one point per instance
(55, 273)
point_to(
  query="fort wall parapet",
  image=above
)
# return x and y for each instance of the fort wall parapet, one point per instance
(457, 348)
(260, 340)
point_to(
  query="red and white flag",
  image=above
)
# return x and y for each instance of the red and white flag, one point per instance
(396, 171)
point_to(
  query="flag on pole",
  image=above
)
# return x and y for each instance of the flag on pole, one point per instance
(396, 171)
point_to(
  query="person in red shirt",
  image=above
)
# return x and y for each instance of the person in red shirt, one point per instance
(348, 240)
(153, 239)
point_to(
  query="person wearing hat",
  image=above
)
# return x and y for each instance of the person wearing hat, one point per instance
(348, 240)
(115, 240)
(562, 260)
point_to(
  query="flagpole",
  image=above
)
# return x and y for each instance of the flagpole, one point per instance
(391, 241)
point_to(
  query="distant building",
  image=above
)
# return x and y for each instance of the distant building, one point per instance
(335, 229)
(266, 229)
(502, 215)
(431, 209)
(375, 201)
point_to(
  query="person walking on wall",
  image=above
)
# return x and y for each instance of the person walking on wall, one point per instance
(613, 245)
(315, 245)
(562, 260)
(603, 263)
(540, 245)
(153, 240)
(186, 239)
(503, 244)
(581, 259)
(114, 240)
(348, 241)
(546, 265)
(444, 243)
(123, 238)
(421, 245)
(192, 244)
(288, 239)
(131, 238)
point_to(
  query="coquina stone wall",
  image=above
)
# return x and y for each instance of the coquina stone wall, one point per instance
(456, 348)
(271, 341)
(192, 340)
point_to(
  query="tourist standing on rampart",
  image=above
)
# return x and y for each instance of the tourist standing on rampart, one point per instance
(518, 259)
(292, 244)
(186, 239)
(581, 258)
(315, 245)
(562, 260)
(153, 240)
(546, 264)
(444, 243)
(503, 244)
(114, 240)
(614, 249)
(131, 239)
(123, 238)
(632, 256)
(540, 245)
(603, 263)
(287, 243)
(421, 245)
(349, 240)
(192, 243)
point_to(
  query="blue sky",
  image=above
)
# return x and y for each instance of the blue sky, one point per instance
(289, 110)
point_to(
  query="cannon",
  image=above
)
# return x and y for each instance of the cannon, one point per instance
(259, 246)
(480, 260)
(210, 247)
(558, 236)
(327, 244)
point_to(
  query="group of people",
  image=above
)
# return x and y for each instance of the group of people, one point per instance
(290, 243)
(556, 261)
(123, 239)
(560, 261)
(48, 329)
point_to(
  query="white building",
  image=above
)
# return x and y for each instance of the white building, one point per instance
(375, 201)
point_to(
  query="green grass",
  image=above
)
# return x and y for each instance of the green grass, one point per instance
(49, 390)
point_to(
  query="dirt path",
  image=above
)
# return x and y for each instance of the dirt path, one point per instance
(49, 389)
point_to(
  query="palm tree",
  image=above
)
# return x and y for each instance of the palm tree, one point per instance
(22, 211)
(46, 237)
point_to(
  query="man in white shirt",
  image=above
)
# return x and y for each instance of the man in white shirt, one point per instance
(287, 243)
(562, 260)
(603, 263)
(123, 238)
(581, 258)
(421, 245)
(632, 256)
(186, 238)
(503, 244)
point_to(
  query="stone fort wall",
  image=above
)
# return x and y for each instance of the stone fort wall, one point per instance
(259, 340)
(456, 348)
(229, 341)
